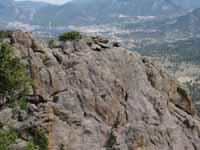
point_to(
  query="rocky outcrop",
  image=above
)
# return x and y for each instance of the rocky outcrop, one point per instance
(93, 94)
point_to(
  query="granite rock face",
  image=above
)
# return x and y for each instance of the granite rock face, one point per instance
(91, 94)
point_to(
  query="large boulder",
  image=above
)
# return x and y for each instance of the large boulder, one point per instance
(107, 99)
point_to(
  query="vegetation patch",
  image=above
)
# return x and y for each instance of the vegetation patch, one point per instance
(5, 34)
(7, 138)
(40, 140)
(23, 103)
(14, 79)
(51, 43)
(31, 146)
(112, 142)
(69, 36)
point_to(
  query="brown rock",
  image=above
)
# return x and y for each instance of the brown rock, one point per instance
(110, 90)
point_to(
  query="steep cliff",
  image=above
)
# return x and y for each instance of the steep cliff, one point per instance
(93, 94)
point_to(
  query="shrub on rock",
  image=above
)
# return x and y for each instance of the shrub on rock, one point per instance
(13, 75)
(7, 138)
(73, 35)
(5, 34)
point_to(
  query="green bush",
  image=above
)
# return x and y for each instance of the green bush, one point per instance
(31, 146)
(73, 35)
(40, 140)
(23, 103)
(51, 43)
(5, 34)
(7, 138)
(13, 75)
(17, 104)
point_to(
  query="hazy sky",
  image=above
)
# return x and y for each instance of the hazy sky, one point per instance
(58, 2)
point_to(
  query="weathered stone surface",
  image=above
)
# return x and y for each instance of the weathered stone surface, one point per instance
(22, 115)
(96, 47)
(91, 94)
(5, 116)
(56, 44)
(33, 108)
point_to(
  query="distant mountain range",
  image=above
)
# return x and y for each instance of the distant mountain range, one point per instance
(24, 11)
(99, 11)
(169, 29)
(91, 11)
(188, 24)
